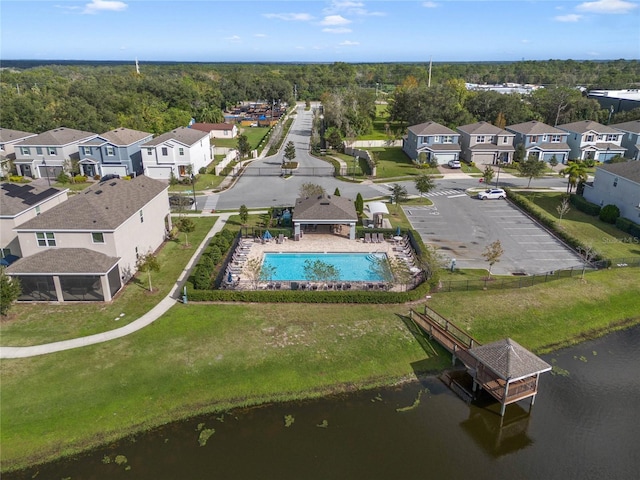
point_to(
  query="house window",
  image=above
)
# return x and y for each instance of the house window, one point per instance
(52, 151)
(435, 139)
(149, 151)
(141, 217)
(86, 150)
(589, 138)
(182, 170)
(447, 139)
(165, 151)
(545, 137)
(181, 151)
(505, 139)
(38, 150)
(97, 237)
(480, 139)
(110, 151)
(37, 210)
(555, 138)
(615, 182)
(612, 138)
(46, 239)
(25, 150)
(533, 139)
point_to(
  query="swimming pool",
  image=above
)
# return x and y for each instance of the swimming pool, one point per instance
(353, 267)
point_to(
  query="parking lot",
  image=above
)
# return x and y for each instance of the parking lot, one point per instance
(461, 227)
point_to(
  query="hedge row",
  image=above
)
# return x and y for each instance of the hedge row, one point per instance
(218, 246)
(547, 220)
(585, 206)
(628, 226)
(297, 296)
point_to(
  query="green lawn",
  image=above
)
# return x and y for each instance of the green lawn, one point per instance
(394, 163)
(605, 238)
(201, 358)
(379, 125)
(254, 136)
(206, 181)
(33, 324)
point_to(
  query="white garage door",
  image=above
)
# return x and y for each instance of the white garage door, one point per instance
(483, 158)
(160, 173)
(444, 158)
(114, 170)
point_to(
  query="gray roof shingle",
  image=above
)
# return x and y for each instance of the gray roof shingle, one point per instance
(482, 128)
(534, 128)
(586, 126)
(633, 126)
(64, 261)
(58, 136)
(183, 135)
(431, 128)
(123, 137)
(16, 198)
(509, 360)
(629, 170)
(325, 207)
(101, 207)
(7, 135)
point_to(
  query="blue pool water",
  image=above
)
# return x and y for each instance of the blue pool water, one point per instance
(353, 267)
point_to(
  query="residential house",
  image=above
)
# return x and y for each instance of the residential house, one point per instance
(591, 140)
(617, 184)
(630, 138)
(8, 138)
(541, 141)
(86, 248)
(181, 151)
(217, 130)
(44, 155)
(436, 141)
(20, 203)
(116, 152)
(483, 143)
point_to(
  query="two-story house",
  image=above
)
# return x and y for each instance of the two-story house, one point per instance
(85, 248)
(483, 143)
(630, 138)
(44, 155)
(115, 152)
(591, 140)
(177, 152)
(436, 141)
(217, 130)
(541, 141)
(20, 203)
(617, 184)
(8, 138)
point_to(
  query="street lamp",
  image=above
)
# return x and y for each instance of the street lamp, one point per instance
(498, 176)
(355, 159)
(46, 170)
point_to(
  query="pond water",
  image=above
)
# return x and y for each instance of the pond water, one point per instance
(584, 424)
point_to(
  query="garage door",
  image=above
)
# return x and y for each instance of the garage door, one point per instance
(50, 171)
(483, 158)
(443, 158)
(115, 170)
(160, 173)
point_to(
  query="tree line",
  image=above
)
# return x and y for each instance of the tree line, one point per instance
(163, 96)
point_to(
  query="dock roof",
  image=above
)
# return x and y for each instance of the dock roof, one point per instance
(509, 360)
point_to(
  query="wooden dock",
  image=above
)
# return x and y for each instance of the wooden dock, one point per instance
(504, 369)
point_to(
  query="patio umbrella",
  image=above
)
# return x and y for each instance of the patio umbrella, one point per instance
(398, 232)
(267, 235)
(230, 278)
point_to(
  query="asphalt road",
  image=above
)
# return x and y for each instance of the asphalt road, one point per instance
(461, 227)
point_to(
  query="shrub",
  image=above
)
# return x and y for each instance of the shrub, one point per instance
(202, 170)
(18, 179)
(585, 206)
(63, 178)
(79, 179)
(96, 177)
(629, 227)
(609, 213)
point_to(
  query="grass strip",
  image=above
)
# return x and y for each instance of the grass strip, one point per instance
(204, 358)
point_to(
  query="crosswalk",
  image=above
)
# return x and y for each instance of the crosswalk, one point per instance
(446, 193)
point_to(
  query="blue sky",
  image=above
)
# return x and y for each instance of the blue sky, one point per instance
(319, 31)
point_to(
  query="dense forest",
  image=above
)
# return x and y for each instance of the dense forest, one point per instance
(98, 98)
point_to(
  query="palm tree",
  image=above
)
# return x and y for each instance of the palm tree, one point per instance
(575, 171)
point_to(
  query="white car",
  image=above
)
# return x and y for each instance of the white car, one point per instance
(492, 193)
(454, 164)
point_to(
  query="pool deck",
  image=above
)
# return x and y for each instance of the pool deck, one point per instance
(309, 243)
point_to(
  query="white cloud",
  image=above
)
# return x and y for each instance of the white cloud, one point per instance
(350, 7)
(430, 4)
(233, 38)
(349, 43)
(260, 35)
(331, 20)
(570, 18)
(337, 30)
(97, 6)
(290, 17)
(525, 41)
(607, 6)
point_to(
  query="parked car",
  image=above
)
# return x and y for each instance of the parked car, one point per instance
(180, 201)
(454, 163)
(492, 193)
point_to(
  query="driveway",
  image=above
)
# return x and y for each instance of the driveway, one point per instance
(461, 227)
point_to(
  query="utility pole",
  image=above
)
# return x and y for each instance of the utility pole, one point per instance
(430, 63)
(295, 92)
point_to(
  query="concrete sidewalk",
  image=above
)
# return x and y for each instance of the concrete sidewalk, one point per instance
(148, 318)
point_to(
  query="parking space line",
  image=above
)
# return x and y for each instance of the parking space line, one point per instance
(537, 243)
(521, 228)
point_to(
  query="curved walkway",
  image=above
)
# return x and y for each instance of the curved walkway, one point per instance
(148, 318)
